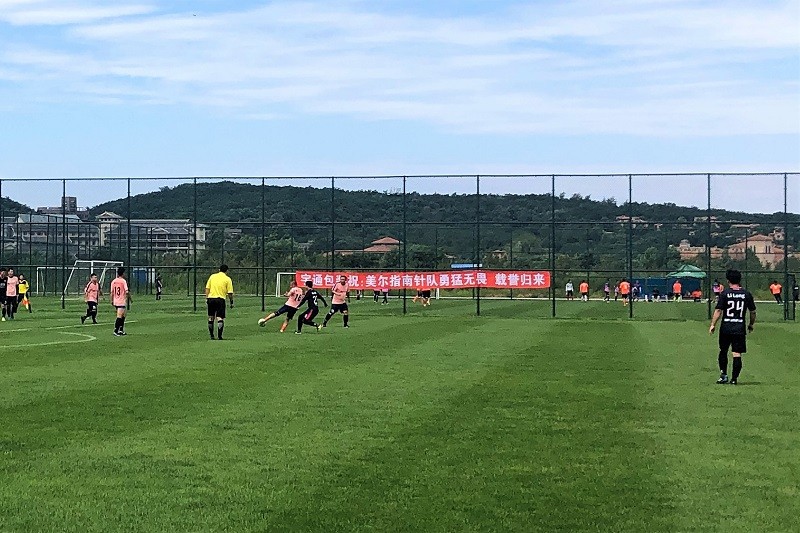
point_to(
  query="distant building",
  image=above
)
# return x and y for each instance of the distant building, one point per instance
(69, 206)
(764, 247)
(158, 235)
(688, 251)
(384, 245)
(36, 230)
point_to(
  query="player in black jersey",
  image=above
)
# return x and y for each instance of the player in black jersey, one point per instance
(3, 287)
(312, 296)
(734, 302)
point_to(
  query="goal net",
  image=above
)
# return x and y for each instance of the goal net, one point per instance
(48, 279)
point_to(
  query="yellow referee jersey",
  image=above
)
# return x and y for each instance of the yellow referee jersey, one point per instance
(219, 285)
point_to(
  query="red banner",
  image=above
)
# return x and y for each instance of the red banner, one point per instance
(451, 279)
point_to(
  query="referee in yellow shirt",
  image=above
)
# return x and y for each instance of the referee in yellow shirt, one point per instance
(218, 287)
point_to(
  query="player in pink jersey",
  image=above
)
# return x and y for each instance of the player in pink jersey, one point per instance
(120, 298)
(12, 282)
(91, 295)
(293, 298)
(339, 302)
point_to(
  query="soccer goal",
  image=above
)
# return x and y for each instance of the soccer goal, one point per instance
(282, 281)
(77, 276)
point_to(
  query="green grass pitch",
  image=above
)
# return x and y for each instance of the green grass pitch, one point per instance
(434, 421)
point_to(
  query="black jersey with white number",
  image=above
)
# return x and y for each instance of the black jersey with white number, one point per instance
(312, 296)
(734, 304)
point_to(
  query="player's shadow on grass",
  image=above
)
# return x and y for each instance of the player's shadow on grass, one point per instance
(743, 383)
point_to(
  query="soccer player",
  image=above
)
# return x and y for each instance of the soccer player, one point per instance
(218, 287)
(385, 292)
(159, 286)
(294, 297)
(569, 290)
(3, 285)
(584, 288)
(717, 289)
(120, 298)
(426, 297)
(375, 294)
(607, 291)
(312, 296)
(677, 290)
(775, 288)
(23, 293)
(91, 295)
(12, 282)
(625, 291)
(339, 302)
(733, 304)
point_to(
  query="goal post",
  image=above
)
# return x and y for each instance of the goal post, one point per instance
(49, 277)
(283, 279)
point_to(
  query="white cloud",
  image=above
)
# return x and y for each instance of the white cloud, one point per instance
(651, 68)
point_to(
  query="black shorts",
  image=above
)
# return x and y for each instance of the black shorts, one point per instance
(339, 307)
(625, 296)
(216, 307)
(584, 294)
(309, 314)
(288, 310)
(92, 306)
(569, 294)
(426, 295)
(736, 342)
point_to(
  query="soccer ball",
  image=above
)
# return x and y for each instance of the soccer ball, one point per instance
(262, 322)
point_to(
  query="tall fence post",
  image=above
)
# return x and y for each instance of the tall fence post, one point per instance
(405, 245)
(333, 227)
(2, 224)
(263, 246)
(630, 244)
(63, 244)
(787, 289)
(553, 243)
(478, 241)
(708, 244)
(194, 245)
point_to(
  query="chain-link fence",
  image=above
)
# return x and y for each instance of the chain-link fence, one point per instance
(652, 230)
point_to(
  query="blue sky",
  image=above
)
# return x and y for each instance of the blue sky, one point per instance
(248, 88)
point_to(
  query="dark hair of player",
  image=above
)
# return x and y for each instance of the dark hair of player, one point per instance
(733, 276)
(223, 268)
(309, 284)
(92, 275)
(120, 271)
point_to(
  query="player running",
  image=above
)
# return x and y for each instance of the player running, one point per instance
(312, 296)
(12, 282)
(339, 302)
(91, 295)
(775, 288)
(733, 304)
(23, 293)
(120, 298)
(294, 297)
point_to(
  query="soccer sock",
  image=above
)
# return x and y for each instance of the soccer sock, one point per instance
(300, 322)
(737, 367)
(211, 328)
(283, 326)
(117, 325)
(122, 323)
(220, 327)
(328, 316)
(346, 319)
(723, 363)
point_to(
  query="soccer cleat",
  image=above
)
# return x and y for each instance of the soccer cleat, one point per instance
(733, 382)
(4, 319)
(262, 322)
(722, 380)
(83, 319)
(348, 327)
(319, 328)
(298, 332)
(117, 334)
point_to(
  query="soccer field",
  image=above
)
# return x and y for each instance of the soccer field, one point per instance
(434, 421)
